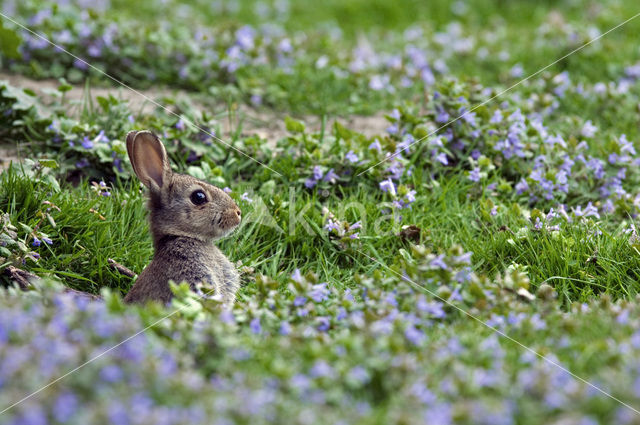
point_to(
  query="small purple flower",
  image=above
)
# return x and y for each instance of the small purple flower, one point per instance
(319, 292)
(330, 177)
(439, 263)
(317, 172)
(323, 324)
(111, 373)
(414, 335)
(297, 276)
(36, 241)
(80, 64)
(256, 100)
(87, 143)
(388, 186)
(442, 158)
(285, 328)
(299, 301)
(227, 189)
(588, 129)
(310, 183)
(245, 37)
(227, 316)
(351, 157)
(47, 241)
(375, 145)
(65, 407)
(245, 197)
(474, 175)
(359, 374)
(255, 326)
(180, 125)
(332, 226)
(321, 369)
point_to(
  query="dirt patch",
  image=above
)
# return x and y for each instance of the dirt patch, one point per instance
(266, 124)
(8, 154)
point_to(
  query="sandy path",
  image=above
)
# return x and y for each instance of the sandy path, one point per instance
(263, 123)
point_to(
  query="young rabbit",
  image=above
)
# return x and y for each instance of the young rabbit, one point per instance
(186, 216)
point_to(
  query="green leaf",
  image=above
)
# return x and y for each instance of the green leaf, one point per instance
(64, 87)
(48, 163)
(196, 172)
(52, 222)
(9, 42)
(104, 102)
(294, 126)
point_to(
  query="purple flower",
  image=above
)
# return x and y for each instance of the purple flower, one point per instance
(244, 37)
(111, 373)
(36, 241)
(87, 143)
(297, 276)
(180, 125)
(317, 172)
(434, 309)
(388, 186)
(255, 325)
(588, 129)
(414, 335)
(330, 177)
(47, 241)
(256, 100)
(310, 183)
(65, 406)
(101, 138)
(323, 324)
(227, 316)
(34, 415)
(375, 145)
(319, 292)
(285, 328)
(439, 263)
(442, 116)
(474, 175)
(358, 374)
(321, 369)
(589, 211)
(245, 197)
(379, 82)
(442, 158)
(351, 157)
(332, 226)
(80, 64)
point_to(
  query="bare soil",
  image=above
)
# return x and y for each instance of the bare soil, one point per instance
(266, 124)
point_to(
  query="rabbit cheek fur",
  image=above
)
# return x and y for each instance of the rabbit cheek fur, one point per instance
(186, 216)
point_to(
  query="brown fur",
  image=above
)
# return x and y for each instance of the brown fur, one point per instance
(182, 231)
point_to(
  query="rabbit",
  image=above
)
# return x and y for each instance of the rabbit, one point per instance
(186, 216)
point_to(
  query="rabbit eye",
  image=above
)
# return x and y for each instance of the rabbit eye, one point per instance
(198, 197)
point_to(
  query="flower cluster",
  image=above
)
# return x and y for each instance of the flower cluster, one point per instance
(334, 354)
(341, 233)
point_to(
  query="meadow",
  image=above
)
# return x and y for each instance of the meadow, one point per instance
(439, 204)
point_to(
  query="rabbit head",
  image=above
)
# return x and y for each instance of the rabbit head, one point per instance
(179, 205)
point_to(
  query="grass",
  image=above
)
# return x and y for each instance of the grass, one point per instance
(91, 228)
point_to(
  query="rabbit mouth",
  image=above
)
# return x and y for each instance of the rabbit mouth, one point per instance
(226, 222)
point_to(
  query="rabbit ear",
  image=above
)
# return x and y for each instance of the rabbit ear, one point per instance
(148, 158)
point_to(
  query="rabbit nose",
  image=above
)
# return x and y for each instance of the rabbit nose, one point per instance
(238, 212)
